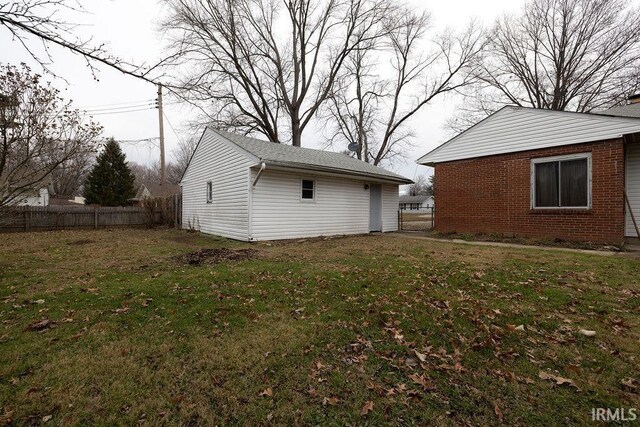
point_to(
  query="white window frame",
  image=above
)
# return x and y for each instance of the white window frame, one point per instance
(559, 159)
(313, 199)
(209, 191)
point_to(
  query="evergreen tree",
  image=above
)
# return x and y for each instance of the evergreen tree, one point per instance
(110, 182)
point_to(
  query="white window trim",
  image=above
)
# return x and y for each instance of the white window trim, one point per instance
(209, 195)
(312, 200)
(557, 159)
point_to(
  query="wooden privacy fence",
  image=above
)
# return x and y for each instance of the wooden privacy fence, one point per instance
(32, 218)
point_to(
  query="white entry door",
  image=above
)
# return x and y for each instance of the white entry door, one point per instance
(375, 207)
(632, 184)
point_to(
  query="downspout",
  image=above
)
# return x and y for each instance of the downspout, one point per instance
(263, 166)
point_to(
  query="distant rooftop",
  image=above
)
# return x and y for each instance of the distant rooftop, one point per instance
(630, 110)
(413, 199)
(157, 189)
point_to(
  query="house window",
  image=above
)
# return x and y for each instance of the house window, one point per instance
(308, 189)
(561, 182)
(209, 191)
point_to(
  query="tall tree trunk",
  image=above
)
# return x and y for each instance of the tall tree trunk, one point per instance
(296, 131)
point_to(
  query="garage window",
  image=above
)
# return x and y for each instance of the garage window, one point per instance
(561, 182)
(308, 189)
(209, 191)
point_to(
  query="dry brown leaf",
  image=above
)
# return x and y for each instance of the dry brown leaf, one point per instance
(41, 325)
(333, 401)
(419, 379)
(629, 382)
(527, 380)
(368, 407)
(557, 379)
(497, 411)
(268, 392)
(422, 357)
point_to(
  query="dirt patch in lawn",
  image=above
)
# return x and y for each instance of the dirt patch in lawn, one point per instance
(216, 255)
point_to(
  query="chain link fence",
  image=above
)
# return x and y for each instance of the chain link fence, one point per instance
(422, 219)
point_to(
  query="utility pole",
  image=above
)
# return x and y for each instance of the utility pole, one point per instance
(161, 125)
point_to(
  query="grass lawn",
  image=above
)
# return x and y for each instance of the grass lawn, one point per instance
(114, 327)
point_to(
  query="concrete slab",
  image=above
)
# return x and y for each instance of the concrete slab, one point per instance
(417, 236)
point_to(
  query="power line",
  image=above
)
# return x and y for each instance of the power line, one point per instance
(120, 112)
(124, 103)
(117, 108)
(133, 141)
(173, 129)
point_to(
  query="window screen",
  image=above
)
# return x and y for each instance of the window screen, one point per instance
(562, 183)
(308, 189)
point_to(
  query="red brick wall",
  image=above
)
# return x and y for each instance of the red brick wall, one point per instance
(492, 195)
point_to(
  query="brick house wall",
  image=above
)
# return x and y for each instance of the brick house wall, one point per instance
(493, 195)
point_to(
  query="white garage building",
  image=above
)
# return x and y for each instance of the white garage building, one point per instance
(248, 189)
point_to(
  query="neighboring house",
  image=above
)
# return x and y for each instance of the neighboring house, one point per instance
(35, 197)
(410, 203)
(543, 174)
(154, 190)
(61, 200)
(25, 186)
(248, 189)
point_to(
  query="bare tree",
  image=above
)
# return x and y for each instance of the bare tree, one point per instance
(421, 186)
(265, 66)
(69, 177)
(371, 106)
(577, 55)
(143, 173)
(40, 132)
(41, 19)
(151, 173)
(181, 158)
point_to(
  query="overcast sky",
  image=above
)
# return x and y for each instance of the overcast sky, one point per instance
(130, 30)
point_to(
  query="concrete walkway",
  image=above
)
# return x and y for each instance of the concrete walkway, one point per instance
(418, 236)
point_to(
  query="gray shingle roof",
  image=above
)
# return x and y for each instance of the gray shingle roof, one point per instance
(307, 158)
(412, 199)
(631, 110)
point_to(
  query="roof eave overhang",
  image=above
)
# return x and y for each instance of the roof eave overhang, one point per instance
(427, 163)
(587, 141)
(329, 171)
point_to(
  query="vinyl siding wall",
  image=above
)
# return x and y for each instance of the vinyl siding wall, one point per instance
(228, 214)
(389, 207)
(341, 206)
(514, 129)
